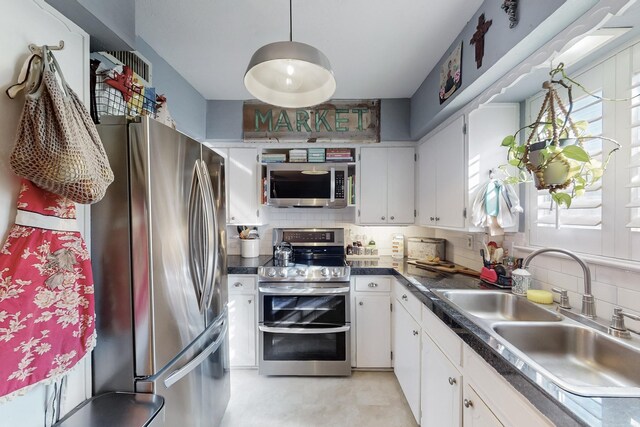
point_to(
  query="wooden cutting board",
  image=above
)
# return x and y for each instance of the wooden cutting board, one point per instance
(445, 267)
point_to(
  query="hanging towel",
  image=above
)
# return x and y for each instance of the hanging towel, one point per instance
(496, 205)
(47, 320)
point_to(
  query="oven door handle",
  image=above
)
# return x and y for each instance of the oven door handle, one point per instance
(303, 291)
(310, 331)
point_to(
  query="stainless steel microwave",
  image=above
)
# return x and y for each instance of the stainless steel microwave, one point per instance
(307, 185)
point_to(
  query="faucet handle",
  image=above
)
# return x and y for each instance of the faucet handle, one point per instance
(564, 297)
(617, 327)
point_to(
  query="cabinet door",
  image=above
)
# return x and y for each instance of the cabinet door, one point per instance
(401, 182)
(450, 169)
(373, 185)
(441, 388)
(243, 186)
(373, 331)
(427, 164)
(475, 412)
(242, 330)
(406, 350)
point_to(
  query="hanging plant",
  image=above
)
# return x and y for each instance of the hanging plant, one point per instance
(554, 157)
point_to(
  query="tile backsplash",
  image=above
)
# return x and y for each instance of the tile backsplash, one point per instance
(331, 218)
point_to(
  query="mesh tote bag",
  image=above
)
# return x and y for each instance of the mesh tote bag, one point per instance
(57, 145)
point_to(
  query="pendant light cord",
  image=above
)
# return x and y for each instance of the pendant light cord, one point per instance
(290, 23)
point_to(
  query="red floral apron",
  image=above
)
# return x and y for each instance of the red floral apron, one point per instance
(47, 319)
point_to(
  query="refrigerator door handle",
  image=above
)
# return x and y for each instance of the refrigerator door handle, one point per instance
(213, 233)
(220, 323)
(195, 267)
(183, 371)
(209, 212)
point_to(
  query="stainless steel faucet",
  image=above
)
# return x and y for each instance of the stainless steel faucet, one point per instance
(588, 302)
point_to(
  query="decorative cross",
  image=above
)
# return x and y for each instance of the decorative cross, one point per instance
(478, 38)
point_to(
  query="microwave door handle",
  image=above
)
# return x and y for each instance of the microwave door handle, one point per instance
(333, 185)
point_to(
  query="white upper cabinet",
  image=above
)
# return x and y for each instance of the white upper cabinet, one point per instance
(487, 127)
(387, 177)
(243, 186)
(441, 177)
(453, 166)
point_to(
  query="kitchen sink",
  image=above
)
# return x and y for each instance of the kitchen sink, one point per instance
(577, 358)
(496, 306)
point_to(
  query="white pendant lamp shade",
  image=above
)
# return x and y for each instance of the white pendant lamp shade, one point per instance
(290, 74)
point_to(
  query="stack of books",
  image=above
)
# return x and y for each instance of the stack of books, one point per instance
(297, 156)
(316, 155)
(339, 155)
(274, 158)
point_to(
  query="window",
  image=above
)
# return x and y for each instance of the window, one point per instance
(606, 220)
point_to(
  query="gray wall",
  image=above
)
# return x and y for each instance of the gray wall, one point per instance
(502, 48)
(224, 120)
(111, 23)
(187, 107)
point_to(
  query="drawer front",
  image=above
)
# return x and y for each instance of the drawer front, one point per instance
(408, 301)
(373, 283)
(445, 338)
(242, 283)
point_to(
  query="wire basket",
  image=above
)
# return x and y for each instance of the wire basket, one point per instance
(127, 99)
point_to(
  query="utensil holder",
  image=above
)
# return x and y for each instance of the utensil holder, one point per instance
(249, 248)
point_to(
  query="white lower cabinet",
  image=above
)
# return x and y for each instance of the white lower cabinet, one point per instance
(441, 388)
(373, 331)
(242, 321)
(406, 355)
(476, 413)
(371, 321)
(459, 388)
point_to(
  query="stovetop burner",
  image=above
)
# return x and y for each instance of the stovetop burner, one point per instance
(318, 255)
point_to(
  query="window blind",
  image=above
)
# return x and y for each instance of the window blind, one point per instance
(634, 165)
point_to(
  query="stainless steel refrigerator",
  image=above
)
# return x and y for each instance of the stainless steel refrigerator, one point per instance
(159, 258)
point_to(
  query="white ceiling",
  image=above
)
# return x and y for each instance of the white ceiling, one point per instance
(377, 48)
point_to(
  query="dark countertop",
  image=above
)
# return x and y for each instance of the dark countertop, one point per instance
(561, 407)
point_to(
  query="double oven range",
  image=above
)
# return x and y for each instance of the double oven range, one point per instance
(304, 319)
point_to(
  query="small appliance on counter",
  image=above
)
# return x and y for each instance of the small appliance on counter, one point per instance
(426, 248)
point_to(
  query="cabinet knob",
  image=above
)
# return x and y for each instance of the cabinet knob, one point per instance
(467, 403)
(373, 285)
(437, 218)
(237, 285)
(382, 218)
(233, 218)
(415, 332)
(452, 381)
(393, 217)
(249, 301)
(405, 297)
(431, 218)
(360, 303)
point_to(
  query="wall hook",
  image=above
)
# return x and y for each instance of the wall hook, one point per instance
(37, 50)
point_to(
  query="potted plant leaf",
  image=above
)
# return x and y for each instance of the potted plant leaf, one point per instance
(553, 155)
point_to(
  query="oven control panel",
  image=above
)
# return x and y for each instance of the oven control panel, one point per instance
(304, 274)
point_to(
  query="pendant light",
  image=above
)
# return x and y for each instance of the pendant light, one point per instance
(290, 74)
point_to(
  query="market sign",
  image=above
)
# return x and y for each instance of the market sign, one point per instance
(336, 121)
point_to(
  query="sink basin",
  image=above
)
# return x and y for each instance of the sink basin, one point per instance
(580, 359)
(497, 306)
